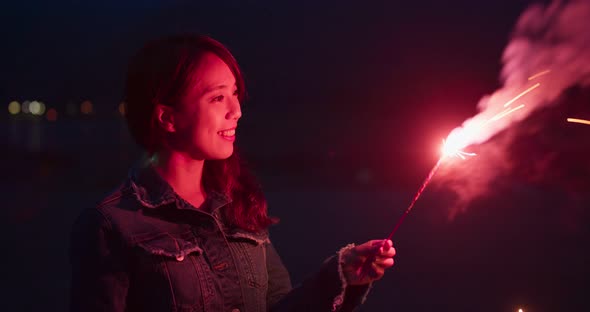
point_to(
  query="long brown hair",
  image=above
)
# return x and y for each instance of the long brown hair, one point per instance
(161, 73)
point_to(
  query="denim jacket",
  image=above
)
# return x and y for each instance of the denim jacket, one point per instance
(144, 248)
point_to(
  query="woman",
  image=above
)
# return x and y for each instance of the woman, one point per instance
(187, 231)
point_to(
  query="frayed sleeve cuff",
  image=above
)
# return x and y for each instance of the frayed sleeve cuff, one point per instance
(349, 295)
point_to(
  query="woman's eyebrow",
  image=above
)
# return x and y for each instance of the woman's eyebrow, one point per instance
(214, 88)
(217, 87)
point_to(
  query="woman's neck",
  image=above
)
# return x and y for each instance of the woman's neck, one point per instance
(184, 174)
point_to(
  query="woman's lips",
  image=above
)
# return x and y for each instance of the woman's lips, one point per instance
(229, 134)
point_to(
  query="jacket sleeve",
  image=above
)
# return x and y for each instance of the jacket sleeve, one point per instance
(99, 278)
(326, 290)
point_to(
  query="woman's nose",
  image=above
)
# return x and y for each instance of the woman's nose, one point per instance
(234, 112)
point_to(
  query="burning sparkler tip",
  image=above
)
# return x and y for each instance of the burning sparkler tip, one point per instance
(449, 151)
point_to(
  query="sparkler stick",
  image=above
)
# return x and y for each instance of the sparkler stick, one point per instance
(367, 265)
(446, 153)
(424, 184)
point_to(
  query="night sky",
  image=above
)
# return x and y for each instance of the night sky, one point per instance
(347, 103)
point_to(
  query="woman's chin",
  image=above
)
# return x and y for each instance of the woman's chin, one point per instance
(220, 155)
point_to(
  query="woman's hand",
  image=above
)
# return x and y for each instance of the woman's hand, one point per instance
(365, 263)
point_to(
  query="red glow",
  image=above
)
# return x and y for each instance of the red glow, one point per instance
(86, 107)
(51, 114)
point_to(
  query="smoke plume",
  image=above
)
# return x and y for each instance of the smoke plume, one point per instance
(549, 52)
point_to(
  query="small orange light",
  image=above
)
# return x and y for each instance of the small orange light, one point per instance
(122, 108)
(86, 107)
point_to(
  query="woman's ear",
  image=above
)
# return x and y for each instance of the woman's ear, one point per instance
(165, 117)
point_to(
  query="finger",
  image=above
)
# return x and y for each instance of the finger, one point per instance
(376, 272)
(387, 244)
(384, 263)
(387, 253)
(381, 259)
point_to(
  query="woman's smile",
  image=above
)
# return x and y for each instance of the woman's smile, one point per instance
(229, 134)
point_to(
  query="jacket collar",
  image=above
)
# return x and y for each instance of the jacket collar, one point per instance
(152, 191)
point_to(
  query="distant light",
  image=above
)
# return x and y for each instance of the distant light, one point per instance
(86, 107)
(35, 108)
(51, 114)
(42, 108)
(14, 107)
(122, 108)
(520, 310)
(25, 107)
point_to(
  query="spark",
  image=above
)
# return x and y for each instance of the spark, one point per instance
(576, 120)
(539, 74)
(462, 154)
(522, 94)
(449, 150)
(505, 113)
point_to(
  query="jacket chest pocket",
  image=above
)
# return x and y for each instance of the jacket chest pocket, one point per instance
(250, 254)
(171, 270)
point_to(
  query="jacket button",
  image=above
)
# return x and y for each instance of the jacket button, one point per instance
(220, 267)
(180, 257)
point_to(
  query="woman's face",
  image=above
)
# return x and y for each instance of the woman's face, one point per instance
(207, 118)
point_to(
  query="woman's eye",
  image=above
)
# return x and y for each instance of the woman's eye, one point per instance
(218, 98)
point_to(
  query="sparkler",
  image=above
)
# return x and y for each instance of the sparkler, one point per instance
(453, 147)
(447, 151)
